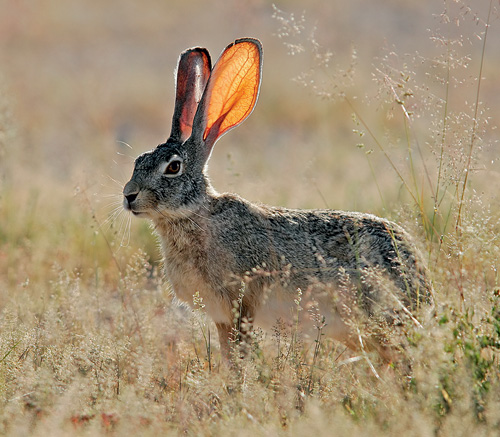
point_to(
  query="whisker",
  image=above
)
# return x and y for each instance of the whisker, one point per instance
(202, 216)
(123, 143)
(132, 158)
(163, 215)
(191, 220)
(122, 229)
(112, 218)
(118, 197)
(117, 182)
(114, 200)
(126, 234)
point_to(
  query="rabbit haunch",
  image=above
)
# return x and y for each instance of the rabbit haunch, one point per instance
(345, 265)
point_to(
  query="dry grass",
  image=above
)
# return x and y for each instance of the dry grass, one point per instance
(90, 341)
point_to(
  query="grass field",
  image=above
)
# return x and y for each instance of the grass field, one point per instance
(385, 107)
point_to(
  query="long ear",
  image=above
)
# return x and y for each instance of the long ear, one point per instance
(193, 72)
(231, 91)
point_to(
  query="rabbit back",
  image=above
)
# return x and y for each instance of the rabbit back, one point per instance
(318, 245)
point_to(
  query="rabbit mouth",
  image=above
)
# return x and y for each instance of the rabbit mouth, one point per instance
(136, 212)
(139, 213)
(128, 207)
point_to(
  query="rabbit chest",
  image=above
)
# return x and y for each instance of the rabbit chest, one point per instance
(189, 270)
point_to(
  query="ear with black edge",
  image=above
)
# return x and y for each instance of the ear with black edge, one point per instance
(192, 75)
(231, 92)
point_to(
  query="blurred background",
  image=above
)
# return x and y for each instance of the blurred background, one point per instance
(383, 106)
(86, 86)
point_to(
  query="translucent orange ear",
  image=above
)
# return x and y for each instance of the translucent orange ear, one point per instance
(232, 89)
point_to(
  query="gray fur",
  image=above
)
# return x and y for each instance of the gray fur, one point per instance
(221, 245)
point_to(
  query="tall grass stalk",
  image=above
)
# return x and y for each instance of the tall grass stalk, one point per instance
(473, 138)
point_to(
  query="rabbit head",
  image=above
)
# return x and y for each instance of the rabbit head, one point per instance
(170, 179)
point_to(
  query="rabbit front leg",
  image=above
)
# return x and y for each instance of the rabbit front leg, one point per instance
(224, 330)
(234, 338)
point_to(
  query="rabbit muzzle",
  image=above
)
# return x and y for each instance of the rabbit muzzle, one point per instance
(130, 192)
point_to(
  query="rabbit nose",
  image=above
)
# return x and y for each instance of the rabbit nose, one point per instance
(130, 192)
(131, 197)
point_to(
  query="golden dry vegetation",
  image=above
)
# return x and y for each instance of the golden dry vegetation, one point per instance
(384, 106)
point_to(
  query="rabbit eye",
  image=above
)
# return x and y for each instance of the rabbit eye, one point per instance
(173, 167)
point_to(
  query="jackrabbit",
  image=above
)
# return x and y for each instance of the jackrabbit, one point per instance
(261, 263)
